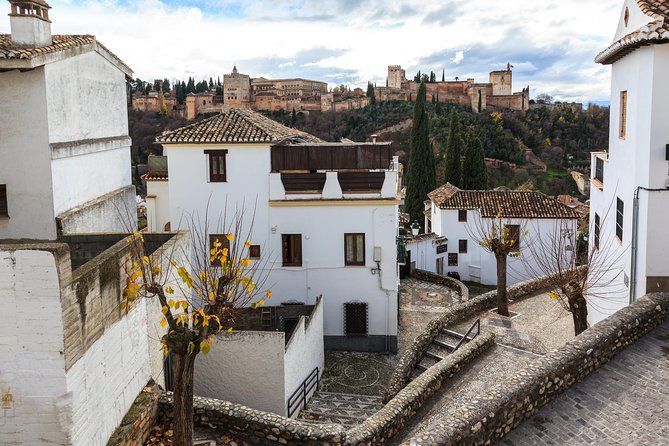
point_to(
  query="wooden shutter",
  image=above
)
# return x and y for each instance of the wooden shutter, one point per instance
(623, 115)
(4, 211)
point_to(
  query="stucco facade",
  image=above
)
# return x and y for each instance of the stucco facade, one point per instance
(629, 191)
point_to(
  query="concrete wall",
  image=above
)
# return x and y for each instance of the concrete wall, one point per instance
(157, 205)
(304, 352)
(244, 367)
(32, 366)
(24, 140)
(112, 212)
(633, 161)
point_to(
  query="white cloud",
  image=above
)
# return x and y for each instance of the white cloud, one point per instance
(281, 37)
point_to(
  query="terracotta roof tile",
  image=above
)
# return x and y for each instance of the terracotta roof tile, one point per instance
(234, 126)
(512, 204)
(60, 43)
(657, 31)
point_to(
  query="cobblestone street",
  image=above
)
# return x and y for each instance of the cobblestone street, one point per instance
(625, 402)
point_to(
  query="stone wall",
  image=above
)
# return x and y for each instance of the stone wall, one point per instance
(454, 314)
(446, 281)
(544, 379)
(264, 428)
(137, 423)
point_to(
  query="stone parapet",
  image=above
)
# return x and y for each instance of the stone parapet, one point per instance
(494, 414)
(452, 315)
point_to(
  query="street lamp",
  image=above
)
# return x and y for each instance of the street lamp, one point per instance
(415, 228)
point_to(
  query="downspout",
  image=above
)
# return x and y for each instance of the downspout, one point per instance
(635, 236)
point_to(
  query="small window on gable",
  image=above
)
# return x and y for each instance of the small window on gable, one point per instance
(4, 211)
(620, 218)
(627, 16)
(217, 166)
(622, 133)
(214, 239)
(254, 251)
(291, 249)
(597, 231)
(462, 215)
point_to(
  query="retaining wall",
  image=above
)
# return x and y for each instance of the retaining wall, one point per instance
(264, 428)
(454, 314)
(137, 423)
(446, 281)
(545, 378)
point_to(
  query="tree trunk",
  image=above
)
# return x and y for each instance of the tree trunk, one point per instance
(182, 369)
(502, 303)
(579, 312)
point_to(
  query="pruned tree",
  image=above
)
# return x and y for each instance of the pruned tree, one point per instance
(199, 298)
(500, 237)
(573, 279)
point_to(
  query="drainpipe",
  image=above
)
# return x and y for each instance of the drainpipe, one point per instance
(635, 236)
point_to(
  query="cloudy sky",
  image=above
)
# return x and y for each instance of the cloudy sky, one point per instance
(551, 43)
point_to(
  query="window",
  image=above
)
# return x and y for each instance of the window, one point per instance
(217, 168)
(620, 213)
(291, 248)
(514, 236)
(354, 249)
(223, 238)
(3, 201)
(355, 319)
(462, 246)
(623, 115)
(254, 251)
(462, 215)
(453, 259)
(597, 229)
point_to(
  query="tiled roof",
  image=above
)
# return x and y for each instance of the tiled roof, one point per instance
(234, 126)
(511, 204)
(657, 31)
(60, 44)
(155, 176)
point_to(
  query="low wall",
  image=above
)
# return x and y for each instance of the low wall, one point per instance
(137, 423)
(263, 428)
(454, 314)
(446, 281)
(544, 379)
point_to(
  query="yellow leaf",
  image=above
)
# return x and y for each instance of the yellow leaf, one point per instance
(170, 302)
(169, 290)
(261, 302)
(268, 294)
(553, 295)
(230, 330)
(248, 243)
(163, 322)
(229, 237)
(165, 309)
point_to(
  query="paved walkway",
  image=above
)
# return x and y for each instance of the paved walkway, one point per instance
(624, 402)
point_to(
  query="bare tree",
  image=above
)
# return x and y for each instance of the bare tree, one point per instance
(216, 281)
(573, 279)
(502, 239)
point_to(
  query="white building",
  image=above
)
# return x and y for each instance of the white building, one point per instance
(458, 218)
(629, 193)
(325, 215)
(64, 141)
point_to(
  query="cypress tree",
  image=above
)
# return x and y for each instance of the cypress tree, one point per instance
(474, 175)
(443, 74)
(454, 144)
(420, 177)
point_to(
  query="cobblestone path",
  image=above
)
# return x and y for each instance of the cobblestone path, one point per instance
(624, 402)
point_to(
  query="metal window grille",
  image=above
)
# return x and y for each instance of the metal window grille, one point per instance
(355, 319)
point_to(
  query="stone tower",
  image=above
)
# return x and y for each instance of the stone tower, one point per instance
(30, 24)
(501, 82)
(396, 76)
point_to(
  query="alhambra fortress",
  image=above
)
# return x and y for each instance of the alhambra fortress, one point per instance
(303, 95)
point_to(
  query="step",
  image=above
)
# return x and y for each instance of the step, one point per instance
(426, 363)
(431, 353)
(332, 419)
(455, 334)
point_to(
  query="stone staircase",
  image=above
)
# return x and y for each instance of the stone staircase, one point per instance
(341, 408)
(442, 346)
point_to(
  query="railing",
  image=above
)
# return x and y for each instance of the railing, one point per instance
(300, 394)
(477, 325)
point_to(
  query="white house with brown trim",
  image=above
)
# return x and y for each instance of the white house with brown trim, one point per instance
(64, 139)
(458, 218)
(325, 215)
(629, 192)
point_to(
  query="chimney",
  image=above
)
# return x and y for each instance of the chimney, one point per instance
(31, 27)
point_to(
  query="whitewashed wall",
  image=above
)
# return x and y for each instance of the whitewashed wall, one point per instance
(424, 253)
(26, 157)
(304, 352)
(32, 366)
(244, 367)
(157, 205)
